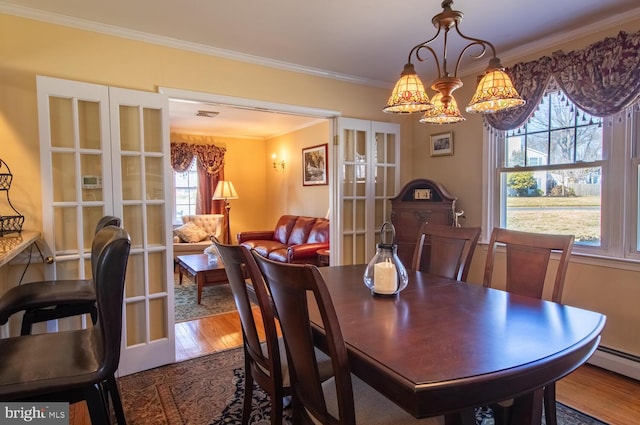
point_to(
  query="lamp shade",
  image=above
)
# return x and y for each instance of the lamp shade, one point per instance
(408, 95)
(225, 190)
(495, 92)
(441, 114)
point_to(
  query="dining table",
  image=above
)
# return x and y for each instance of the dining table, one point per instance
(444, 347)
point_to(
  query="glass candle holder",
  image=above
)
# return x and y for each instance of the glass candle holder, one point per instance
(385, 274)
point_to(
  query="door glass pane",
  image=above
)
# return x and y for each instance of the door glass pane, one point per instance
(132, 221)
(361, 214)
(391, 182)
(391, 148)
(380, 213)
(66, 235)
(63, 168)
(380, 180)
(349, 144)
(349, 179)
(361, 250)
(89, 124)
(158, 320)
(61, 122)
(347, 216)
(361, 145)
(90, 218)
(156, 273)
(154, 180)
(134, 282)
(361, 187)
(129, 129)
(131, 178)
(379, 149)
(155, 225)
(68, 269)
(136, 328)
(347, 249)
(91, 177)
(152, 130)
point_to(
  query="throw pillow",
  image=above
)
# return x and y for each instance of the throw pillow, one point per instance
(190, 232)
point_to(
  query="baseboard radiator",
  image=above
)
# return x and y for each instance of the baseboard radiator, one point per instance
(617, 361)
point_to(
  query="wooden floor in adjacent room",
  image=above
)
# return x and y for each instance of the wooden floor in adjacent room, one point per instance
(610, 397)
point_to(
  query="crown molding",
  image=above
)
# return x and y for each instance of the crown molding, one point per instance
(83, 24)
(511, 56)
(554, 41)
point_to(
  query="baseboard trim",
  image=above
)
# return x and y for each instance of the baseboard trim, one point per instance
(617, 361)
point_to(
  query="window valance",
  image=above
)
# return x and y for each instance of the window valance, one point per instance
(602, 79)
(185, 147)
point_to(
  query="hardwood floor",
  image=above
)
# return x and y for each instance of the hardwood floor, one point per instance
(610, 397)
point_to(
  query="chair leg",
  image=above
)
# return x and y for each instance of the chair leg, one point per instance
(98, 411)
(248, 392)
(501, 414)
(276, 408)
(550, 404)
(114, 393)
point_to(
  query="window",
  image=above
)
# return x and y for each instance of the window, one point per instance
(186, 189)
(567, 172)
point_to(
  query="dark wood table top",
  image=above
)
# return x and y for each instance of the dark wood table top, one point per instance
(442, 345)
(199, 262)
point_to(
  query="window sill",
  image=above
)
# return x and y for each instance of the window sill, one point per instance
(630, 264)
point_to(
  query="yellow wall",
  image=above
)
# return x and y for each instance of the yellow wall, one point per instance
(29, 48)
(287, 194)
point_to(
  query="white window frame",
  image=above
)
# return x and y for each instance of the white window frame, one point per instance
(620, 211)
(175, 197)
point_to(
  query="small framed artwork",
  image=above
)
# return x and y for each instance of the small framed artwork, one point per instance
(314, 165)
(442, 144)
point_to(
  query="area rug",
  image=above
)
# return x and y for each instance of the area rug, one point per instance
(215, 300)
(208, 391)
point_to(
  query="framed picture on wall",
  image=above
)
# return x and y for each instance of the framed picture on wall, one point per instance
(442, 144)
(314, 165)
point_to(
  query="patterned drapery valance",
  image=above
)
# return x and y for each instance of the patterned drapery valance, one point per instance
(185, 147)
(602, 79)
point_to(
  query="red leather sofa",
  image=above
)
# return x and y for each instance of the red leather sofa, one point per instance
(295, 239)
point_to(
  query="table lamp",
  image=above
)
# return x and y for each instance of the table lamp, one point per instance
(225, 190)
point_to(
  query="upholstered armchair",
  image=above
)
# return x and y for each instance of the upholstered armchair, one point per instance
(195, 234)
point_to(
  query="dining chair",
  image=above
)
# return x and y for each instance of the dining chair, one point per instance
(445, 250)
(527, 261)
(265, 362)
(343, 399)
(47, 300)
(75, 365)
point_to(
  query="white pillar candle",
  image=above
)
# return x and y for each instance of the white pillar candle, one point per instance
(385, 277)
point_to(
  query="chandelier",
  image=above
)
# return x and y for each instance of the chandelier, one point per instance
(495, 91)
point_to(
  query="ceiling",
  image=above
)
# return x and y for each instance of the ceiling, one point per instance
(367, 41)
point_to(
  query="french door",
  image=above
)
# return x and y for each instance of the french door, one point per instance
(104, 150)
(367, 174)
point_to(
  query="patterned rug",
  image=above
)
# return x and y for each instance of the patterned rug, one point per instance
(215, 300)
(208, 390)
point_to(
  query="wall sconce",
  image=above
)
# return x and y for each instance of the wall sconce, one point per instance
(276, 163)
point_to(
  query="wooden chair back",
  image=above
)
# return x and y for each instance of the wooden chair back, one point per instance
(263, 366)
(528, 257)
(290, 284)
(445, 250)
